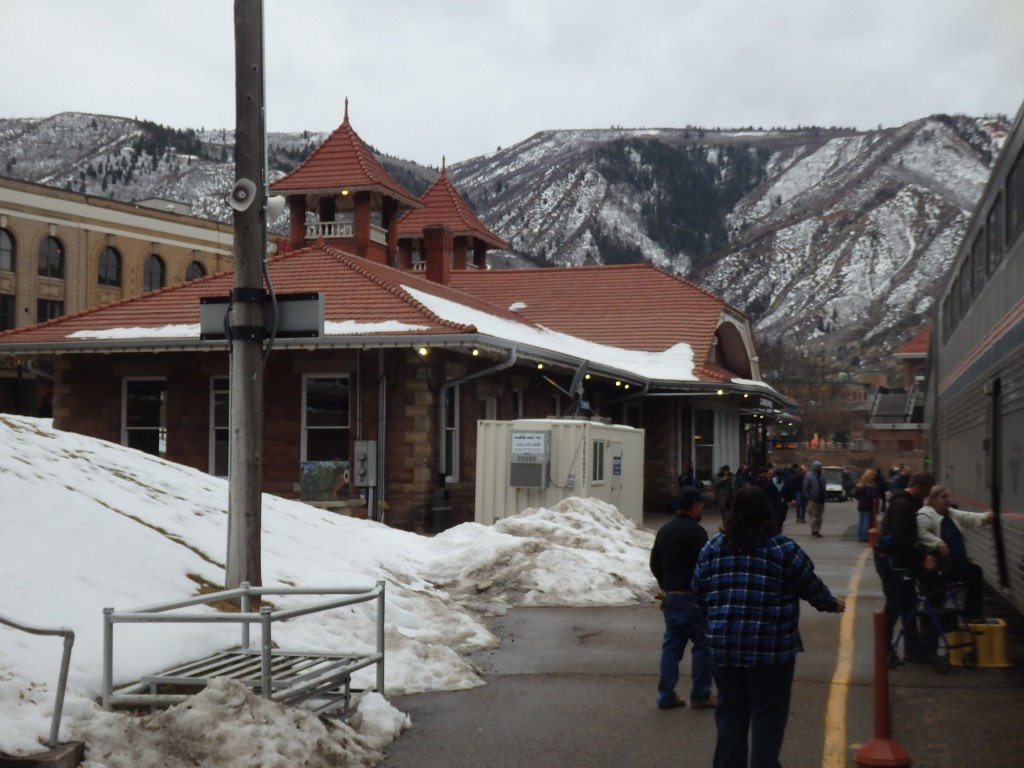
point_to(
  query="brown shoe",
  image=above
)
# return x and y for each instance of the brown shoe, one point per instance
(674, 704)
(708, 703)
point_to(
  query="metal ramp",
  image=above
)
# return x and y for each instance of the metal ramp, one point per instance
(319, 682)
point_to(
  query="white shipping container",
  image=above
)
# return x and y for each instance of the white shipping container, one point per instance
(538, 462)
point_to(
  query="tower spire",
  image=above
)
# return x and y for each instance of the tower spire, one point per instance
(346, 110)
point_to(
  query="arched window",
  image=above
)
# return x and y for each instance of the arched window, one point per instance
(51, 258)
(7, 262)
(153, 273)
(195, 271)
(110, 267)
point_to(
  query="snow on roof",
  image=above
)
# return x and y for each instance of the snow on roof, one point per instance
(675, 363)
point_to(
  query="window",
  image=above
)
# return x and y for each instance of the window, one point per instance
(1015, 199)
(144, 417)
(597, 474)
(994, 230)
(487, 407)
(109, 267)
(965, 287)
(153, 273)
(631, 415)
(978, 264)
(704, 443)
(517, 404)
(51, 258)
(325, 420)
(7, 251)
(220, 434)
(195, 270)
(47, 309)
(450, 457)
(6, 311)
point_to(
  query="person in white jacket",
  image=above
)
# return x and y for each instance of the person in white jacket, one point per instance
(939, 532)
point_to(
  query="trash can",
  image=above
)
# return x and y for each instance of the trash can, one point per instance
(440, 510)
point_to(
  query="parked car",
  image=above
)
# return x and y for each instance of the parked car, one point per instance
(833, 477)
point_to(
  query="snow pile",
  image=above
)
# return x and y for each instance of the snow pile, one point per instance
(87, 524)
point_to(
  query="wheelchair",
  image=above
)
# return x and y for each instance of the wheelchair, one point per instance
(938, 612)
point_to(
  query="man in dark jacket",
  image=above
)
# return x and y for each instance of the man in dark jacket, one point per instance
(676, 547)
(773, 482)
(898, 559)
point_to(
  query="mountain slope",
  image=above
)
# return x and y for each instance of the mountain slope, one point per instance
(835, 237)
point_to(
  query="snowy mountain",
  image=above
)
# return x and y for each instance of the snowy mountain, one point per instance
(834, 237)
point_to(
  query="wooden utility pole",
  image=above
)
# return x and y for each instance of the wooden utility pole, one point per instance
(246, 309)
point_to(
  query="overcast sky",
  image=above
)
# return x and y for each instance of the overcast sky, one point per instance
(427, 78)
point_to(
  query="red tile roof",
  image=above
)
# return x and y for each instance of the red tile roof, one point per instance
(343, 161)
(442, 204)
(353, 289)
(917, 346)
(633, 306)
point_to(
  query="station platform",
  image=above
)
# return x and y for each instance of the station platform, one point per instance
(576, 687)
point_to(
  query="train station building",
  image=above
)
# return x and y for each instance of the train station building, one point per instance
(418, 341)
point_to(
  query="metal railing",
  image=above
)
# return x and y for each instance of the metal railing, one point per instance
(65, 662)
(344, 230)
(265, 617)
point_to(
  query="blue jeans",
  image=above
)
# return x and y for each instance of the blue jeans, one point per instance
(754, 702)
(684, 622)
(863, 524)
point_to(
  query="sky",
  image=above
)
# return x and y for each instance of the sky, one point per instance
(87, 524)
(457, 79)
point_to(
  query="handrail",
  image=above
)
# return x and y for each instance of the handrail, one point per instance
(265, 617)
(65, 663)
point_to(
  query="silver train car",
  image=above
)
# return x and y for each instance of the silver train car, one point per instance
(975, 402)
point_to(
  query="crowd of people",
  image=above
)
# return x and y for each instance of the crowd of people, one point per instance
(734, 596)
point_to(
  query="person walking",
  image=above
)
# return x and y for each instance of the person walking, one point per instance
(796, 484)
(814, 491)
(865, 493)
(725, 488)
(749, 580)
(773, 482)
(673, 558)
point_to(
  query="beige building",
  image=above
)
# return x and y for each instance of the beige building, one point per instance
(64, 252)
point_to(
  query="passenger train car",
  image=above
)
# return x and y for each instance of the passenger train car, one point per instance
(976, 378)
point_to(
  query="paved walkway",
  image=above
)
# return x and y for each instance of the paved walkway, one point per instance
(576, 687)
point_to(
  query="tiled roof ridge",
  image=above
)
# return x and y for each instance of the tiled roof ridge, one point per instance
(357, 265)
(619, 268)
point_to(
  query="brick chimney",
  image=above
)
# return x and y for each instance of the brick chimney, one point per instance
(437, 248)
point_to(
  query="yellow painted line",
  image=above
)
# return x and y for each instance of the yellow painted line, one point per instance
(834, 755)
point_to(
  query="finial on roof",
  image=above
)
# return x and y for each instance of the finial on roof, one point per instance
(443, 160)
(346, 110)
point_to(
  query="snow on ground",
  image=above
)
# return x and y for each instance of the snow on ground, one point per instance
(86, 524)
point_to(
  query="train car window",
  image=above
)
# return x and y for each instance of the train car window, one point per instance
(965, 288)
(954, 305)
(1015, 199)
(978, 263)
(994, 233)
